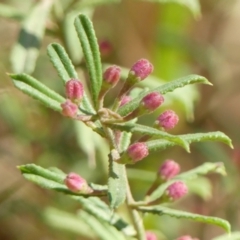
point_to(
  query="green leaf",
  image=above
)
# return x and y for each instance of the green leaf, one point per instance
(185, 215)
(211, 136)
(231, 236)
(103, 230)
(188, 176)
(192, 5)
(91, 52)
(38, 91)
(37, 85)
(157, 145)
(66, 70)
(25, 52)
(163, 89)
(133, 127)
(116, 184)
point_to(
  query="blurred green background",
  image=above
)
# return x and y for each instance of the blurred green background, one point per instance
(179, 38)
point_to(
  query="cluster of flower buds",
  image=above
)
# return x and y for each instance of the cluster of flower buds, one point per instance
(76, 183)
(74, 94)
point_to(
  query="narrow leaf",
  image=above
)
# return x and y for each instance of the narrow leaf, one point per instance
(211, 136)
(25, 52)
(145, 130)
(116, 184)
(10, 12)
(66, 70)
(91, 52)
(185, 215)
(34, 83)
(163, 89)
(32, 92)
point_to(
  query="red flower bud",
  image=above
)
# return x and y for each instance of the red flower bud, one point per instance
(137, 151)
(152, 101)
(176, 190)
(141, 69)
(74, 90)
(69, 109)
(150, 236)
(167, 120)
(169, 169)
(105, 48)
(125, 99)
(112, 75)
(76, 183)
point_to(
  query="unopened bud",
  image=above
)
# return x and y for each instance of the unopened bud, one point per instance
(168, 170)
(176, 190)
(105, 48)
(76, 183)
(112, 75)
(125, 99)
(150, 236)
(69, 109)
(186, 237)
(135, 152)
(167, 120)
(74, 90)
(152, 101)
(141, 69)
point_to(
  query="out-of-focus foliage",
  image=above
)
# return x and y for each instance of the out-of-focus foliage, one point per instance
(179, 43)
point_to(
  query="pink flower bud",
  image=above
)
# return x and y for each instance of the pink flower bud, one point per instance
(74, 90)
(169, 169)
(167, 120)
(186, 237)
(152, 101)
(141, 69)
(125, 99)
(69, 109)
(137, 151)
(112, 75)
(176, 190)
(105, 48)
(76, 183)
(150, 236)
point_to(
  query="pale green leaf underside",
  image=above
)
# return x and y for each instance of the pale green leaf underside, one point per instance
(163, 89)
(116, 184)
(185, 215)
